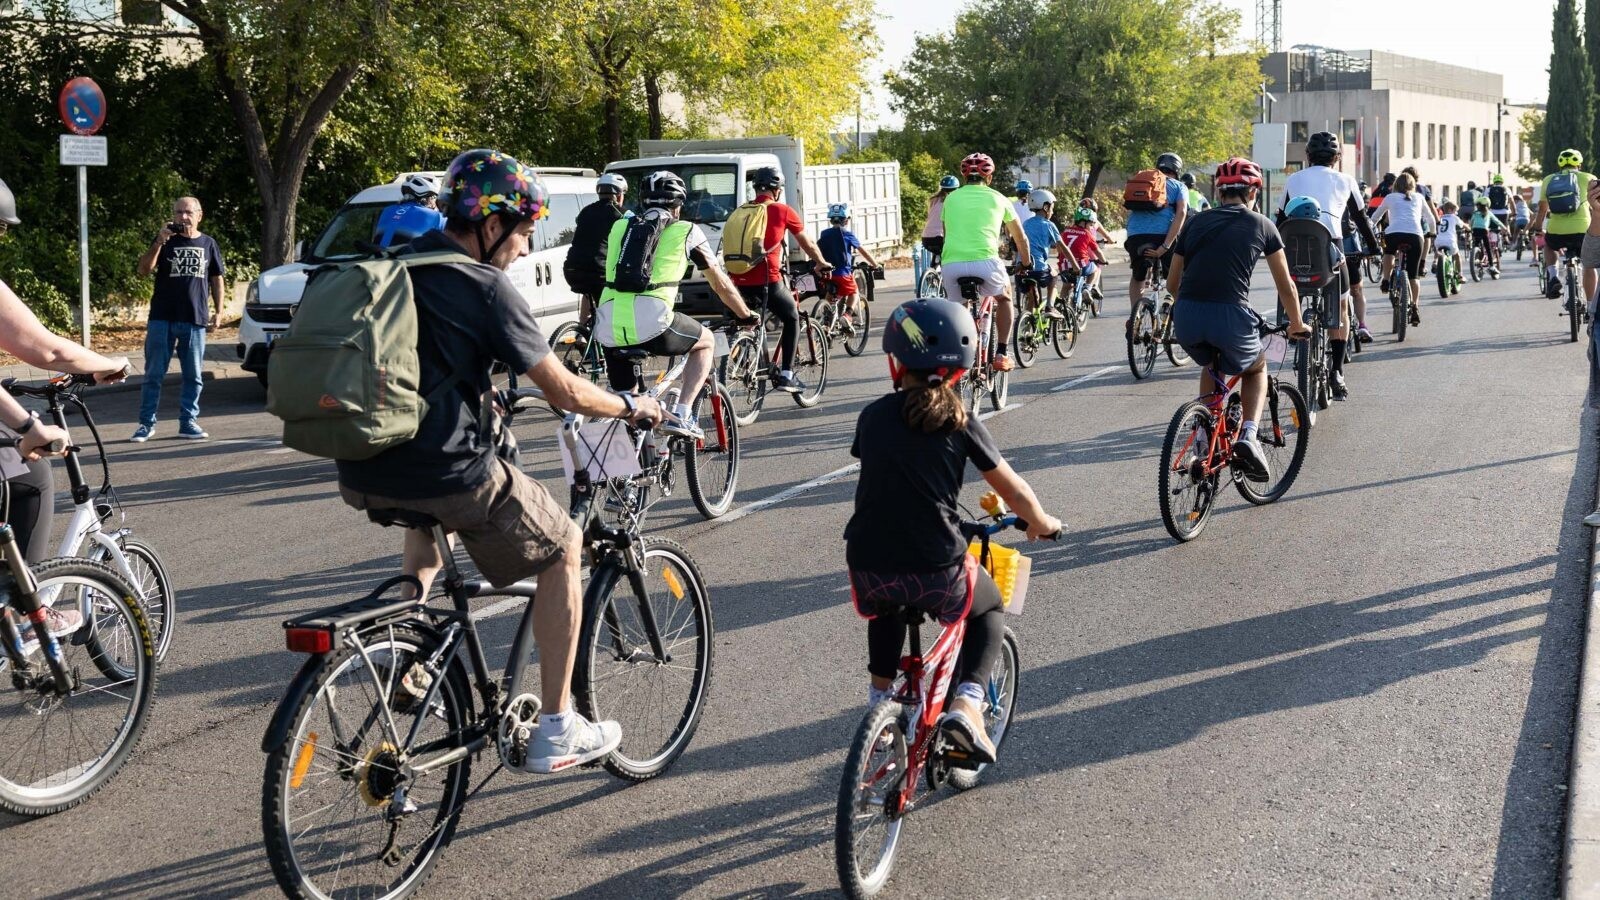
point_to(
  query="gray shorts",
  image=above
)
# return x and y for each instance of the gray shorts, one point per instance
(995, 281)
(1222, 334)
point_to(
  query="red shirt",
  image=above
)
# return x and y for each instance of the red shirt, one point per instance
(781, 217)
(1080, 241)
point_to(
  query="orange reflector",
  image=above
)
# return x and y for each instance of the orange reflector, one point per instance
(302, 762)
(1193, 516)
(673, 584)
(308, 640)
(1294, 417)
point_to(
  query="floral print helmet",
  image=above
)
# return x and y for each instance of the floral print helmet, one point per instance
(481, 183)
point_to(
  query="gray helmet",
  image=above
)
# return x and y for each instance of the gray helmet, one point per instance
(611, 183)
(1170, 163)
(663, 188)
(766, 178)
(1322, 148)
(8, 206)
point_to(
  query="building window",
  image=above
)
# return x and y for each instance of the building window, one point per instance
(1399, 138)
(1486, 145)
(1431, 128)
(1508, 146)
(140, 12)
(1416, 140)
(1347, 131)
(1472, 145)
(1455, 142)
(1299, 132)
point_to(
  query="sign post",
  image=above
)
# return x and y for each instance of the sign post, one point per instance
(82, 106)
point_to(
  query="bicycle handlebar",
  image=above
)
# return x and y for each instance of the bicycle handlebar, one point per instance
(989, 529)
(60, 384)
(519, 399)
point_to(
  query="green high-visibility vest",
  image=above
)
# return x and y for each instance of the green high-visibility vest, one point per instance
(629, 319)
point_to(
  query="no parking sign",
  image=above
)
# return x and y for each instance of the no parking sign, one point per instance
(82, 106)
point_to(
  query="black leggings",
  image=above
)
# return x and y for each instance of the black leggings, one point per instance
(30, 508)
(986, 628)
(776, 298)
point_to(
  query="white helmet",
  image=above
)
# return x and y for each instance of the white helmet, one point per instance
(1038, 197)
(611, 182)
(419, 186)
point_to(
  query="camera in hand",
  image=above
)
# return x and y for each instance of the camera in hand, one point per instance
(176, 229)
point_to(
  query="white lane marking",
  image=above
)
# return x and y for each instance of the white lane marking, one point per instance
(279, 450)
(788, 494)
(1084, 379)
(495, 609)
(984, 417)
(247, 442)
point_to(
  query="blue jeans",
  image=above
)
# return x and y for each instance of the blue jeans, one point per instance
(160, 340)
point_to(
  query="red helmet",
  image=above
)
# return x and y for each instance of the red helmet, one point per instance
(977, 164)
(1239, 170)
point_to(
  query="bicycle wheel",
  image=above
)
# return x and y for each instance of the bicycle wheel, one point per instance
(644, 657)
(1575, 308)
(1374, 269)
(712, 464)
(823, 313)
(56, 752)
(1283, 435)
(1175, 351)
(153, 587)
(1443, 270)
(811, 364)
(861, 321)
(1064, 333)
(1305, 371)
(932, 284)
(328, 812)
(1027, 342)
(999, 708)
(570, 343)
(1475, 265)
(866, 832)
(744, 379)
(1187, 495)
(999, 382)
(1400, 299)
(970, 390)
(1142, 343)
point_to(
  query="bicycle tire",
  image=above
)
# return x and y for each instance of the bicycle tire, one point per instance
(1303, 368)
(810, 364)
(1175, 352)
(1475, 266)
(871, 763)
(1575, 309)
(932, 284)
(712, 489)
(741, 373)
(289, 765)
(1284, 442)
(1185, 521)
(596, 671)
(571, 345)
(1027, 339)
(1142, 346)
(999, 708)
(1320, 368)
(154, 586)
(1064, 333)
(1401, 298)
(1374, 269)
(856, 344)
(999, 382)
(1444, 279)
(29, 729)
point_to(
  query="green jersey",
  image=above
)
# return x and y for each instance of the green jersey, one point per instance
(1575, 222)
(973, 216)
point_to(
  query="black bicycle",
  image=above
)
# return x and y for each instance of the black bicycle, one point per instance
(749, 365)
(369, 753)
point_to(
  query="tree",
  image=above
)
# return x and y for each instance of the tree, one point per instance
(1591, 43)
(1532, 126)
(1569, 118)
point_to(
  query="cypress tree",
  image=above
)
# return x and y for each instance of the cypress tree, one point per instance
(1569, 122)
(1591, 43)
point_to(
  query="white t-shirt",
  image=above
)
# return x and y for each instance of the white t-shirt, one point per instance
(1023, 212)
(1446, 238)
(1406, 215)
(1331, 189)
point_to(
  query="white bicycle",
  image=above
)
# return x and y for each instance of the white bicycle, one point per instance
(87, 535)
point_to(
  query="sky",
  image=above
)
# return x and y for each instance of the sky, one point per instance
(1512, 39)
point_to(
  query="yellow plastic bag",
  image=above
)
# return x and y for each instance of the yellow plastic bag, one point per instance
(1010, 571)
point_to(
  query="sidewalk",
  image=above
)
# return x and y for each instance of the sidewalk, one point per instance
(1581, 848)
(221, 361)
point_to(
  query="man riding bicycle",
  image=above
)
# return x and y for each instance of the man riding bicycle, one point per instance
(585, 266)
(416, 214)
(1500, 203)
(1151, 233)
(1563, 215)
(469, 316)
(973, 217)
(640, 316)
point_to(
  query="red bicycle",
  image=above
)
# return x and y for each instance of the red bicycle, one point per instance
(887, 768)
(983, 378)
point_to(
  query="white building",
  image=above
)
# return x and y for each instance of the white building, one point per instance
(1451, 123)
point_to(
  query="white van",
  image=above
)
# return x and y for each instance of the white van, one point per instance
(272, 299)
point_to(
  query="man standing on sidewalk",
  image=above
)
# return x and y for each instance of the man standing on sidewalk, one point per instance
(188, 268)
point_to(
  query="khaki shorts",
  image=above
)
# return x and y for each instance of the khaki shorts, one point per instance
(511, 526)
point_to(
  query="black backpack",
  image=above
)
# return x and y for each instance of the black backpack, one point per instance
(1497, 197)
(637, 256)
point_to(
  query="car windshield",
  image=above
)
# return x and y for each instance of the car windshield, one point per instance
(356, 222)
(713, 189)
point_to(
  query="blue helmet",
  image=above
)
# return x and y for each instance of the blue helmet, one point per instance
(1303, 208)
(1023, 187)
(949, 183)
(838, 211)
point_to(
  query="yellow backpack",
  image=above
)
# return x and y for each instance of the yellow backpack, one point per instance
(742, 236)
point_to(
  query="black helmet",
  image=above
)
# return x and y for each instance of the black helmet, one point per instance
(931, 335)
(8, 206)
(766, 178)
(664, 188)
(1322, 148)
(1170, 163)
(1187, 179)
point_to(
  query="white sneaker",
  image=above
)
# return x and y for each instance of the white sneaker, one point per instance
(583, 742)
(1592, 519)
(59, 622)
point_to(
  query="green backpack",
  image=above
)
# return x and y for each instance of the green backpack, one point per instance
(345, 378)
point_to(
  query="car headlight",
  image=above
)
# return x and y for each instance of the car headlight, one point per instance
(252, 293)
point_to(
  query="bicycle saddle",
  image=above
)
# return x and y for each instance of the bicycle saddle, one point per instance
(404, 518)
(969, 285)
(629, 353)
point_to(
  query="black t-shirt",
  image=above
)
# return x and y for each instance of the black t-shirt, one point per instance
(906, 513)
(1220, 248)
(468, 317)
(586, 259)
(184, 268)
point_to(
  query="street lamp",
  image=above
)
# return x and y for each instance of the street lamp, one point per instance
(1499, 140)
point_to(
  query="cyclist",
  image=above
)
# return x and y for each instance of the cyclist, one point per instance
(1020, 191)
(1409, 218)
(1212, 263)
(1385, 185)
(469, 315)
(1083, 249)
(902, 546)
(416, 214)
(1151, 234)
(1339, 197)
(1520, 217)
(1484, 222)
(645, 319)
(839, 246)
(1197, 201)
(1043, 237)
(585, 267)
(974, 215)
(1467, 202)
(766, 284)
(1444, 241)
(933, 228)
(1563, 216)
(1500, 203)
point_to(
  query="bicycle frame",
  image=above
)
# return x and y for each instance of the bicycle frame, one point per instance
(1221, 428)
(927, 682)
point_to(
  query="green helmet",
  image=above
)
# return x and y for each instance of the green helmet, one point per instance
(1569, 159)
(1498, 179)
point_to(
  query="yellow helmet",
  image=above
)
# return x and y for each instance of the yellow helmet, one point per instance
(1569, 159)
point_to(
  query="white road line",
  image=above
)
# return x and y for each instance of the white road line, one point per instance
(788, 494)
(1084, 379)
(984, 417)
(495, 609)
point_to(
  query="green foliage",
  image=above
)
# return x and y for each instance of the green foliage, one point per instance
(1532, 126)
(1569, 118)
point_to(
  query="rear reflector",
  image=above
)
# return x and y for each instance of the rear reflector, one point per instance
(308, 640)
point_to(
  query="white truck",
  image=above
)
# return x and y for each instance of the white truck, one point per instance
(717, 172)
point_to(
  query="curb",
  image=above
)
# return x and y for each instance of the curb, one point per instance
(1580, 876)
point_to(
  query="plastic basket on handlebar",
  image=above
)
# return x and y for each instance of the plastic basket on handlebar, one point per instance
(604, 449)
(1010, 571)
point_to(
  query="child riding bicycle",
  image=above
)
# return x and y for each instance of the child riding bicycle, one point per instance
(902, 545)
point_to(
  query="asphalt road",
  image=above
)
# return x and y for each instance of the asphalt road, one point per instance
(1365, 689)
